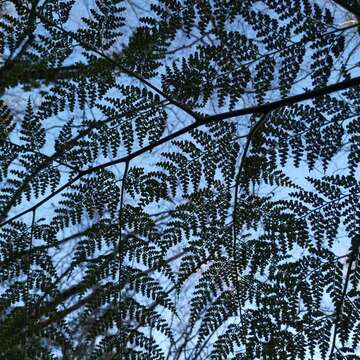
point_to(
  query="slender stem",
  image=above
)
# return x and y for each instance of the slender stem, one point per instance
(339, 309)
(27, 289)
(252, 132)
(120, 251)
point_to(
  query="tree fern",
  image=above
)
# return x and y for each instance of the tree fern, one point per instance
(179, 179)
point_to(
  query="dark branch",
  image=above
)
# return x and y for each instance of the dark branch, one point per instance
(261, 109)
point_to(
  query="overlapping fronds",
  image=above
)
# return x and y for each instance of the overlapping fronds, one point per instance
(179, 179)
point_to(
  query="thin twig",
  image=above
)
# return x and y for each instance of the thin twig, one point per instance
(120, 247)
(27, 289)
(252, 132)
(338, 313)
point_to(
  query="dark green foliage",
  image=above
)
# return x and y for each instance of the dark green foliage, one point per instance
(135, 226)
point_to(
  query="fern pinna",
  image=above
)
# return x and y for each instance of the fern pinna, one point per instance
(179, 179)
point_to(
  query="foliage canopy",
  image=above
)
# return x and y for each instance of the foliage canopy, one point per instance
(170, 179)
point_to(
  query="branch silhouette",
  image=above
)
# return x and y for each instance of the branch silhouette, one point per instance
(261, 109)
